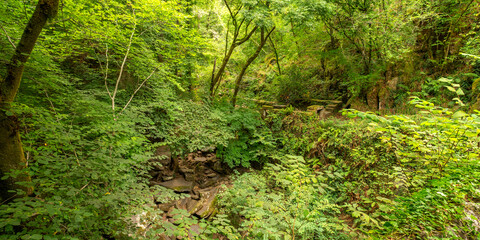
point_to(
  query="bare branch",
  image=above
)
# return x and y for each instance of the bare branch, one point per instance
(141, 85)
(8, 37)
(121, 69)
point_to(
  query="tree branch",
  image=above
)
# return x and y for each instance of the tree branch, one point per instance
(8, 37)
(141, 85)
(240, 41)
(121, 70)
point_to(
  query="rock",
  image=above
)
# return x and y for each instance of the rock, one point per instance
(212, 175)
(164, 237)
(209, 149)
(323, 114)
(211, 157)
(184, 169)
(193, 206)
(189, 176)
(178, 185)
(167, 178)
(208, 206)
(195, 196)
(218, 167)
(201, 159)
(165, 206)
(170, 213)
(164, 155)
(472, 214)
(210, 182)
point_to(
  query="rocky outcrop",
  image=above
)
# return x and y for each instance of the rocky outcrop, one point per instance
(197, 176)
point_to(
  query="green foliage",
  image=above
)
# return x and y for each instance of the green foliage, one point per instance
(252, 142)
(298, 212)
(85, 172)
(436, 165)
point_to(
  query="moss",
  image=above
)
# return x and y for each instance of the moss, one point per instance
(11, 155)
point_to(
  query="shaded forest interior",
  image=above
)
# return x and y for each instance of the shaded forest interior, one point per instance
(240, 119)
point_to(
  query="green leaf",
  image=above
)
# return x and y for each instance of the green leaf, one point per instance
(451, 89)
(459, 114)
(36, 237)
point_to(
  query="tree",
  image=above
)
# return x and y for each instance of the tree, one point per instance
(264, 36)
(239, 22)
(11, 150)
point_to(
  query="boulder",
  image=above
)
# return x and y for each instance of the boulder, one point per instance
(208, 206)
(178, 185)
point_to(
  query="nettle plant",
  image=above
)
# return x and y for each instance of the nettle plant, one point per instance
(430, 146)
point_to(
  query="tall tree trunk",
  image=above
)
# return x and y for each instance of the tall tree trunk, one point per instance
(217, 76)
(238, 80)
(11, 150)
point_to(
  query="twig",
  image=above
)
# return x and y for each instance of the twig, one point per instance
(141, 85)
(8, 37)
(8, 199)
(121, 70)
(84, 186)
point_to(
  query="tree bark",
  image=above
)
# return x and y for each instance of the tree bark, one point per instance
(238, 80)
(11, 150)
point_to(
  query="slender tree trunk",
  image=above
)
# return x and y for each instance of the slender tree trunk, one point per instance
(238, 80)
(216, 79)
(11, 150)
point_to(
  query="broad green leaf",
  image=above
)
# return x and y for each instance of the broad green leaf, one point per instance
(459, 114)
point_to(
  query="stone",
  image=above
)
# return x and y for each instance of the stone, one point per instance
(218, 167)
(472, 214)
(189, 177)
(184, 169)
(211, 174)
(209, 182)
(164, 155)
(194, 205)
(178, 185)
(182, 203)
(209, 149)
(167, 178)
(201, 159)
(164, 237)
(208, 206)
(195, 196)
(212, 157)
(165, 207)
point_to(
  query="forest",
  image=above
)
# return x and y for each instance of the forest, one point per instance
(239, 119)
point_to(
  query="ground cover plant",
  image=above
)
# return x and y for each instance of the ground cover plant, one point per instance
(239, 119)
